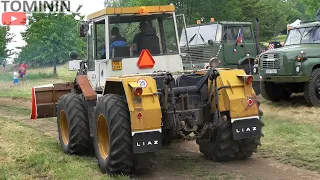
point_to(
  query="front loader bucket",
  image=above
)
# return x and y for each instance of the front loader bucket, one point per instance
(45, 99)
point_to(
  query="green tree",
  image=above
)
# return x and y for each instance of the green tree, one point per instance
(50, 37)
(5, 38)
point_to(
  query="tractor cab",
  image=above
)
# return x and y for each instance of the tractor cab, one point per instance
(132, 40)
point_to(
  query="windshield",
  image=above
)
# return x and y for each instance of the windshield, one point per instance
(129, 35)
(200, 35)
(303, 36)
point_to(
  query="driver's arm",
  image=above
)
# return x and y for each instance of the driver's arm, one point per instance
(135, 43)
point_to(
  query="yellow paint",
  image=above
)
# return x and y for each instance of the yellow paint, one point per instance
(64, 128)
(149, 107)
(103, 137)
(235, 99)
(116, 65)
(132, 10)
(133, 84)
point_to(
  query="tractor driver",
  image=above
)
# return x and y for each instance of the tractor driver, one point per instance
(116, 40)
(138, 36)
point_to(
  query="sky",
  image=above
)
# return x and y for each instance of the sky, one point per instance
(89, 6)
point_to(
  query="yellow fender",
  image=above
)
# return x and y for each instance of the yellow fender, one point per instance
(145, 110)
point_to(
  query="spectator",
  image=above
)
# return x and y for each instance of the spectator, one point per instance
(15, 78)
(22, 71)
(4, 63)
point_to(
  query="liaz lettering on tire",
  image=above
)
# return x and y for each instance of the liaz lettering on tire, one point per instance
(129, 104)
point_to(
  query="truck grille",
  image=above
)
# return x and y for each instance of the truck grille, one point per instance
(271, 61)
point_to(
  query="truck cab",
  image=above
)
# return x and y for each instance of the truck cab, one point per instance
(232, 43)
(294, 68)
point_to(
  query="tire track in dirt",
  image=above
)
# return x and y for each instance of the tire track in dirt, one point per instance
(253, 168)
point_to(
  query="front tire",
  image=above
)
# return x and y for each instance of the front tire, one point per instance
(73, 125)
(312, 89)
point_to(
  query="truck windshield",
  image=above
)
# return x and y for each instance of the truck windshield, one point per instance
(303, 36)
(200, 35)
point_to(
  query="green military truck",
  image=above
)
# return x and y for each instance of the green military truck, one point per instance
(232, 44)
(294, 68)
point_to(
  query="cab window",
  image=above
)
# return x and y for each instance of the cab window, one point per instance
(232, 33)
(130, 35)
(90, 57)
(247, 34)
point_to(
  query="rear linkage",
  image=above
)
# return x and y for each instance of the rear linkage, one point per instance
(212, 120)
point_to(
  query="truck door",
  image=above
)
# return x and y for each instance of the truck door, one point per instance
(233, 51)
(248, 41)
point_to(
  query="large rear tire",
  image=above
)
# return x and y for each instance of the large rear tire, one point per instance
(250, 145)
(222, 147)
(112, 138)
(73, 125)
(219, 145)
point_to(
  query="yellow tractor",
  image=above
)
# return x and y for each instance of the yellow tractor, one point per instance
(128, 100)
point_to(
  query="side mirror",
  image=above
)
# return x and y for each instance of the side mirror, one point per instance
(210, 42)
(73, 55)
(83, 29)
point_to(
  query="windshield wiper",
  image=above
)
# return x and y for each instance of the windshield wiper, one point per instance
(203, 39)
(192, 38)
(317, 26)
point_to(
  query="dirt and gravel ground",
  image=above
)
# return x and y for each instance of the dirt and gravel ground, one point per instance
(171, 162)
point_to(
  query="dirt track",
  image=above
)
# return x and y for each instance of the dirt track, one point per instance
(253, 168)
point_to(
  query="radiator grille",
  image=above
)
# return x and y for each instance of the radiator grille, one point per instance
(271, 61)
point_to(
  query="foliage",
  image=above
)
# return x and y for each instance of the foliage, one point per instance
(273, 15)
(50, 37)
(5, 38)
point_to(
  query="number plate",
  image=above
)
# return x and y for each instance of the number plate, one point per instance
(246, 128)
(116, 65)
(271, 71)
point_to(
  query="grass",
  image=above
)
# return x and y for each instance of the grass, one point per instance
(292, 143)
(292, 132)
(26, 153)
(292, 135)
(34, 77)
(280, 38)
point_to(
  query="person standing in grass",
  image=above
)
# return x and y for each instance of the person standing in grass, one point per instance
(22, 71)
(15, 78)
(4, 63)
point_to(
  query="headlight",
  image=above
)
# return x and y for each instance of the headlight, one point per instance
(214, 62)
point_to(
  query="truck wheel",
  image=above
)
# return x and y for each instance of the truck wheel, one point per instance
(256, 85)
(312, 89)
(112, 138)
(248, 146)
(271, 91)
(73, 125)
(220, 146)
